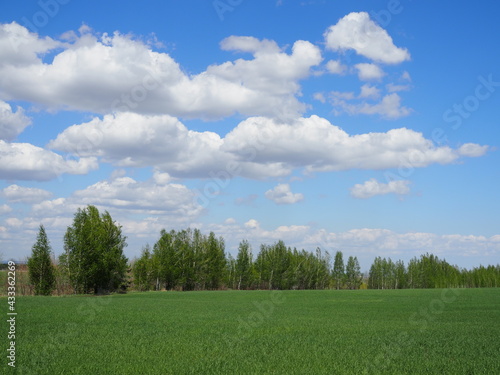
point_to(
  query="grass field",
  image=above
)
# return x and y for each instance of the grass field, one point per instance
(259, 332)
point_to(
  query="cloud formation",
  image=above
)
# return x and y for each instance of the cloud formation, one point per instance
(369, 72)
(12, 123)
(106, 73)
(23, 161)
(20, 194)
(372, 188)
(358, 32)
(282, 194)
(257, 147)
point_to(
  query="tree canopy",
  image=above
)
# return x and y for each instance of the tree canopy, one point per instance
(94, 252)
(41, 269)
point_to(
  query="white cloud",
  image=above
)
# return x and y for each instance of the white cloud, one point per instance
(258, 147)
(358, 32)
(406, 76)
(390, 108)
(12, 123)
(281, 194)
(249, 44)
(252, 224)
(369, 92)
(372, 188)
(129, 139)
(21, 48)
(5, 209)
(369, 72)
(108, 73)
(13, 222)
(23, 161)
(319, 96)
(391, 87)
(147, 197)
(133, 140)
(142, 207)
(20, 194)
(315, 144)
(336, 67)
(472, 150)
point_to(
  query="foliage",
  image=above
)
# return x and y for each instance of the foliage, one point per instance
(143, 270)
(41, 270)
(243, 266)
(353, 273)
(429, 271)
(338, 270)
(94, 252)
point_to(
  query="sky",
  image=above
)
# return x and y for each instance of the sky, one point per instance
(369, 127)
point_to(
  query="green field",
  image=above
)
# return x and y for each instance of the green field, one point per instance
(430, 331)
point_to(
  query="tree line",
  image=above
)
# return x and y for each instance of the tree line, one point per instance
(93, 262)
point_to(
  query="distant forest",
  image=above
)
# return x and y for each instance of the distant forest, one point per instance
(189, 260)
(93, 262)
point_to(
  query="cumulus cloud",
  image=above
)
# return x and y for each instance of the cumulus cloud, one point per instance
(336, 67)
(21, 48)
(315, 144)
(369, 92)
(472, 150)
(12, 123)
(369, 72)
(104, 73)
(282, 194)
(358, 32)
(372, 188)
(24, 161)
(389, 107)
(143, 207)
(133, 140)
(20, 194)
(257, 147)
(144, 197)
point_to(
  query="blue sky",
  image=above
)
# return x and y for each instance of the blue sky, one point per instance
(370, 128)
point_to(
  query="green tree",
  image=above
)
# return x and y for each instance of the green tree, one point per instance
(243, 266)
(143, 271)
(94, 248)
(353, 273)
(375, 278)
(41, 269)
(165, 259)
(401, 275)
(216, 261)
(338, 270)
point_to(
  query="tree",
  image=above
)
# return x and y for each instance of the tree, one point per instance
(353, 273)
(401, 275)
(94, 249)
(375, 278)
(143, 270)
(216, 261)
(41, 269)
(338, 269)
(243, 266)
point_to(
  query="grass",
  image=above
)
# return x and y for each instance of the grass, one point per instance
(260, 332)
